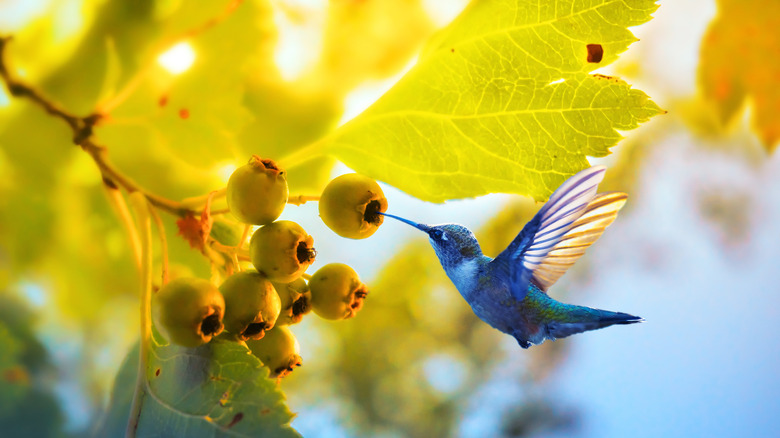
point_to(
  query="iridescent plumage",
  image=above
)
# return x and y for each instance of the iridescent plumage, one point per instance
(509, 292)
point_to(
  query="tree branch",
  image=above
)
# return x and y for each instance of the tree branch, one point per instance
(83, 136)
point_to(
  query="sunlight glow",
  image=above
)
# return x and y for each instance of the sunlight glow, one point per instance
(363, 96)
(300, 25)
(442, 12)
(224, 170)
(178, 58)
(4, 100)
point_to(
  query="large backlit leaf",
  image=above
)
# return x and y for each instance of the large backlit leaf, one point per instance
(501, 101)
(216, 390)
(735, 64)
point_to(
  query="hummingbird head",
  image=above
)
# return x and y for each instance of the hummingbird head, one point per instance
(453, 243)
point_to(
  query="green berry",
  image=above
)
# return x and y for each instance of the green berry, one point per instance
(282, 251)
(257, 191)
(349, 206)
(251, 305)
(278, 350)
(188, 311)
(336, 291)
(227, 232)
(296, 301)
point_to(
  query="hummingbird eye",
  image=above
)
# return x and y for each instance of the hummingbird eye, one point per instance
(437, 234)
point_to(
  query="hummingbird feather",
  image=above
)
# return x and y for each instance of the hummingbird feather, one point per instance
(539, 237)
(598, 215)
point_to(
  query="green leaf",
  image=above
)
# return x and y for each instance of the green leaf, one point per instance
(501, 101)
(216, 390)
(196, 115)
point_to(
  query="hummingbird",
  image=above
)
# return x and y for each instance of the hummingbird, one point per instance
(510, 292)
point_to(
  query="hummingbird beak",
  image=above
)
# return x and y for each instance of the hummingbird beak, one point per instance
(421, 227)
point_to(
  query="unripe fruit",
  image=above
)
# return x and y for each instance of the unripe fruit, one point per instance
(257, 191)
(188, 311)
(282, 251)
(251, 305)
(349, 206)
(296, 301)
(336, 292)
(227, 232)
(278, 350)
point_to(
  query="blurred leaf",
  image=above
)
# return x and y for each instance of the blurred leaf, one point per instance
(14, 381)
(196, 114)
(483, 110)
(216, 390)
(26, 409)
(287, 117)
(739, 61)
(364, 41)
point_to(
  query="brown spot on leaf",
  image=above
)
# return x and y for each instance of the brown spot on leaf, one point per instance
(163, 100)
(452, 50)
(236, 418)
(608, 78)
(184, 113)
(595, 53)
(157, 372)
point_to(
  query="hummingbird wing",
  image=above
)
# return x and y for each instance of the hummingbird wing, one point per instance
(539, 236)
(598, 215)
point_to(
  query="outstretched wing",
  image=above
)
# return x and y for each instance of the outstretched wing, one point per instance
(598, 215)
(539, 236)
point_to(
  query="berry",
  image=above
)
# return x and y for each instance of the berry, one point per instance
(251, 305)
(336, 292)
(227, 232)
(296, 301)
(349, 206)
(257, 191)
(188, 311)
(282, 251)
(278, 350)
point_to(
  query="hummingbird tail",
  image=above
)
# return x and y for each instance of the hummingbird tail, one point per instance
(595, 319)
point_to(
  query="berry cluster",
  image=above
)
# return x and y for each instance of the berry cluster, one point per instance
(256, 305)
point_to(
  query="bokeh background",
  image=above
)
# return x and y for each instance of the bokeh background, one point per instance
(695, 251)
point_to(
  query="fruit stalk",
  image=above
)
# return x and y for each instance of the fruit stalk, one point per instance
(163, 244)
(141, 207)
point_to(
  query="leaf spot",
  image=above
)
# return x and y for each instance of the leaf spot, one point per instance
(595, 53)
(157, 373)
(184, 113)
(235, 419)
(163, 100)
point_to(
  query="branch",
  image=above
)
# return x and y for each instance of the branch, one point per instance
(83, 136)
(141, 208)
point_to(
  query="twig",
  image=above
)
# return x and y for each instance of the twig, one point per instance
(119, 205)
(141, 208)
(163, 244)
(301, 199)
(83, 136)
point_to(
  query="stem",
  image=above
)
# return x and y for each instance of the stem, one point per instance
(199, 201)
(301, 199)
(302, 155)
(141, 208)
(163, 244)
(244, 235)
(83, 136)
(119, 205)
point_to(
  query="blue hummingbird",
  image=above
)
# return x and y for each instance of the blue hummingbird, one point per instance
(510, 292)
